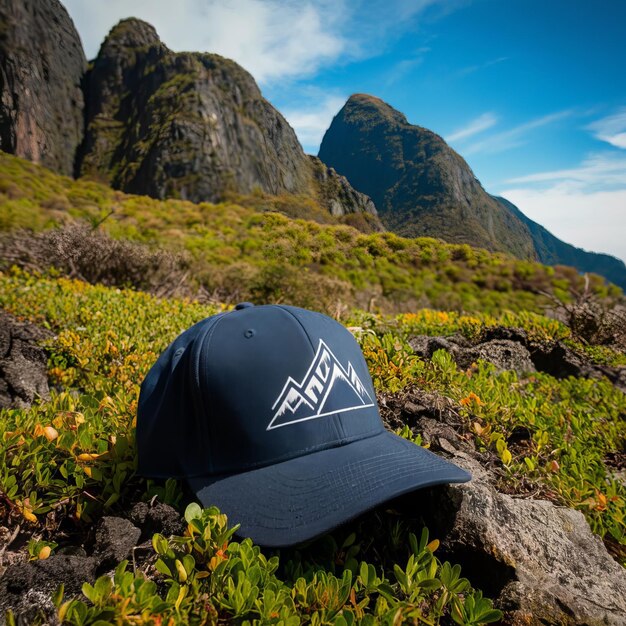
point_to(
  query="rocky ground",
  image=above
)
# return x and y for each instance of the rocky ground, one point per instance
(540, 562)
(512, 349)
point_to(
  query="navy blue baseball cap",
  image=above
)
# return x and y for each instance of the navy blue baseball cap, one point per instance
(269, 413)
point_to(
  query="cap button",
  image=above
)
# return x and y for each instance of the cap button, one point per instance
(243, 305)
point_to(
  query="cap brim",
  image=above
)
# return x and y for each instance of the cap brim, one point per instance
(296, 500)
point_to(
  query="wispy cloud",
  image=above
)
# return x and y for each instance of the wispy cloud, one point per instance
(601, 170)
(404, 67)
(516, 136)
(611, 129)
(583, 205)
(475, 126)
(272, 39)
(312, 121)
(470, 69)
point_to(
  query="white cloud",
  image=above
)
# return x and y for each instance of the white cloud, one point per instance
(595, 221)
(272, 39)
(611, 129)
(583, 205)
(406, 66)
(516, 136)
(311, 122)
(478, 125)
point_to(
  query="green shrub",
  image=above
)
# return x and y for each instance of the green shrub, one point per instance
(402, 273)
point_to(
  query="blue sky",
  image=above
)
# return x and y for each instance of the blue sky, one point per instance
(530, 92)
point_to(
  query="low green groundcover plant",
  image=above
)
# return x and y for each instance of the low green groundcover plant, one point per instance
(71, 459)
(204, 577)
(555, 433)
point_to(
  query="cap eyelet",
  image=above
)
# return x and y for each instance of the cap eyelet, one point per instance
(249, 333)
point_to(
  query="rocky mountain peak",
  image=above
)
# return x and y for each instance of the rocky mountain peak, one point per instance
(131, 33)
(421, 186)
(362, 107)
(147, 120)
(195, 126)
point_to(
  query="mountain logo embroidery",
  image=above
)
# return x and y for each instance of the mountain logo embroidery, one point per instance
(326, 380)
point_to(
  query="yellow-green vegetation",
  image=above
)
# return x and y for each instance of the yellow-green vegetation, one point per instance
(430, 322)
(207, 577)
(107, 340)
(69, 460)
(245, 250)
(553, 433)
(72, 458)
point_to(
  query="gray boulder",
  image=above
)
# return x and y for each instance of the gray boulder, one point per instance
(115, 539)
(505, 354)
(26, 588)
(157, 518)
(541, 562)
(23, 363)
(511, 349)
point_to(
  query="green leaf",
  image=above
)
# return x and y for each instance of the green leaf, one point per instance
(429, 584)
(193, 511)
(400, 575)
(161, 567)
(494, 615)
(364, 573)
(57, 597)
(103, 587)
(159, 543)
(89, 592)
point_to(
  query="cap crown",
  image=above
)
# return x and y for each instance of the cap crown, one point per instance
(253, 387)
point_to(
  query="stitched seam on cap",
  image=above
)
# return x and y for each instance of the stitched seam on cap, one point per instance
(204, 401)
(284, 308)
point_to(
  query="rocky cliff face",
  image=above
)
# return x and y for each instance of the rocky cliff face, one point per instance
(41, 66)
(335, 192)
(419, 184)
(192, 125)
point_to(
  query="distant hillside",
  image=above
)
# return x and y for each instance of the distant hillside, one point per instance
(553, 251)
(244, 250)
(421, 186)
(195, 126)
